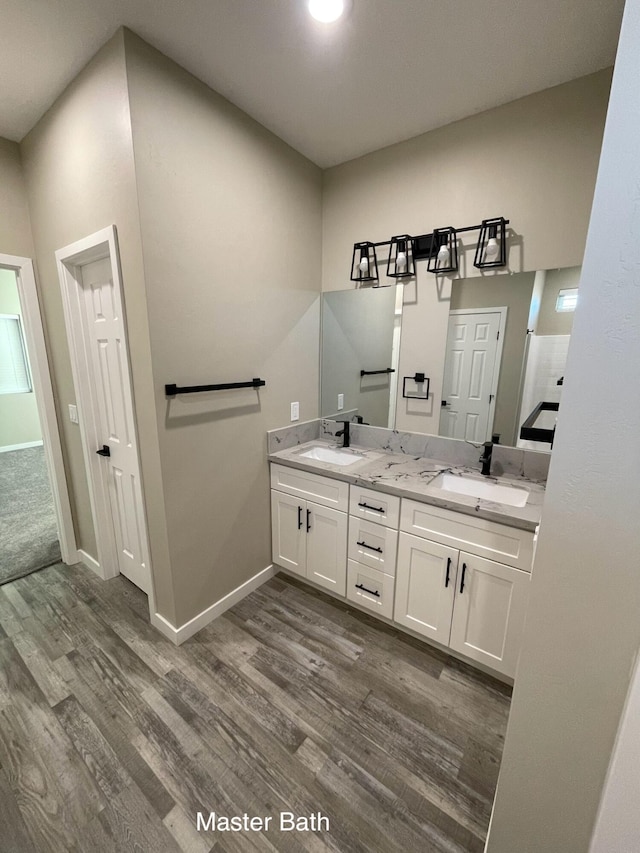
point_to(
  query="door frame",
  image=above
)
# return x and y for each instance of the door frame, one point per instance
(98, 246)
(502, 311)
(33, 327)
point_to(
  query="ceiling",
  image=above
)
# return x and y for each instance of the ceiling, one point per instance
(389, 71)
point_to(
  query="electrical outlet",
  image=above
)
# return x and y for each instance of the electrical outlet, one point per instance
(73, 413)
(340, 402)
(295, 411)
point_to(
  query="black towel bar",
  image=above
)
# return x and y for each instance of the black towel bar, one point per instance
(172, 390)
(375, 372)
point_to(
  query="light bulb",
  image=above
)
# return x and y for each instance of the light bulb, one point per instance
(444, 256)
(363, 266)
(401, 262)
(326, 11)
(491, 252)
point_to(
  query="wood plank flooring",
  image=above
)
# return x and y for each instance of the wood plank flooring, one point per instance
(113, 739)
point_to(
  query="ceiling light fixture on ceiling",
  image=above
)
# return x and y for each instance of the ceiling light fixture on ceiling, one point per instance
(326, 11)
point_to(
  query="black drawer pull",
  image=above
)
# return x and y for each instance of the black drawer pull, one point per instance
(370, 547)
(446, 583)
(370, 591)
(299, 518)
(464, 569)
(308, 520)
(374, 508)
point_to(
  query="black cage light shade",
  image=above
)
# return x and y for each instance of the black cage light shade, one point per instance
(491, 250)
(400, 262)
(364, 263)
(444, 256)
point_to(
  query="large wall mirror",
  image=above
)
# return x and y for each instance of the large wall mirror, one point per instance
(505, 354)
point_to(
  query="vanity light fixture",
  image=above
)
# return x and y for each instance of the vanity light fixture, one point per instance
(400, 263)
(446, 258)
(491, 250)
(364, 263)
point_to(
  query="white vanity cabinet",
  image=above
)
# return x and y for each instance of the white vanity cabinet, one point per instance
(309, 526)
(474, 605)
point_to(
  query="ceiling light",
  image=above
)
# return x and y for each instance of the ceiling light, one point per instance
(326, 11)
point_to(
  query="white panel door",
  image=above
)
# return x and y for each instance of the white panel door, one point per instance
(105, 340)
(327, 547)
(425, 586)
(489, 612)
(469, 372)
(288, 532)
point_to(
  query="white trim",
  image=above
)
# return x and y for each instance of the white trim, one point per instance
(90, 562)
(179, 635)
(43, 390)
(24, 446)
(102, 244)
(502, 311)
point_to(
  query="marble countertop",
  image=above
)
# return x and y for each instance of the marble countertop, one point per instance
(412, 477)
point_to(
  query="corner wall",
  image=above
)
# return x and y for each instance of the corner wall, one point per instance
(79, 171)
(231, 232)
(582, 631)
(533, 160)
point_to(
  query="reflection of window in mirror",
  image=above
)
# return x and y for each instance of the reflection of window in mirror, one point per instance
(567, 299)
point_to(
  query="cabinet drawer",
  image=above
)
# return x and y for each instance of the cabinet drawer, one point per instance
(373, 545)
(321, 490)
(370, 588)
(374, 506)
(479, 536)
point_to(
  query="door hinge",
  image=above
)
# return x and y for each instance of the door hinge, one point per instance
(498, 336)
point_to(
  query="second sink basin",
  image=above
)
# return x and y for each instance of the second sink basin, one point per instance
(487, 490)
(332, 455)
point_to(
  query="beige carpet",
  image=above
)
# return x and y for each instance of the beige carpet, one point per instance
(28, 532)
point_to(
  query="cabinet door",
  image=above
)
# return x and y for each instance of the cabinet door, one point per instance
(425, 585)
(288, 532)
(489, 612)
(326, 547)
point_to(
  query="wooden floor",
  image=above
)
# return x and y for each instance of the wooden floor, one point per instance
(112, 739)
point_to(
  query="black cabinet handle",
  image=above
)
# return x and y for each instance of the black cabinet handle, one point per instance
(370, 591)
(370, 547)
(106, 450)
(374, 508)
(446, 582)
(299, 518)
(464, 569)
(308, 520)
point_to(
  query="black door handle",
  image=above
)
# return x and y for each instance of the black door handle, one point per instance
(464, 569)
(446, 582)
(370, 547)
(374, 508)
(308, 520)
(370, 591)
(299, 518)
(106, 451)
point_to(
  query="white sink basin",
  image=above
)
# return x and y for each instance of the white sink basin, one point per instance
(485, 489)
(333, 455)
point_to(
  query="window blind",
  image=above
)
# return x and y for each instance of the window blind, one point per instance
(14, 369)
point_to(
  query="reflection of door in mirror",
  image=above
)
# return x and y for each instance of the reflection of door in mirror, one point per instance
(471, 370)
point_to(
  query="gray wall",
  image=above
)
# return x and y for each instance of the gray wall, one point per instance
(357, 334)
(582, 631)
(78, 164)
(231, 232)
(15, 227)
(533, 160)
(514, 291)
(550, 321)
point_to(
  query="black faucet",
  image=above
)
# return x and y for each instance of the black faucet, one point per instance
(486, 458)
(345, 433)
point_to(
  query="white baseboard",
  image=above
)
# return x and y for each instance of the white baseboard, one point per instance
(26, 444)
(90, 562)
(179, 635)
